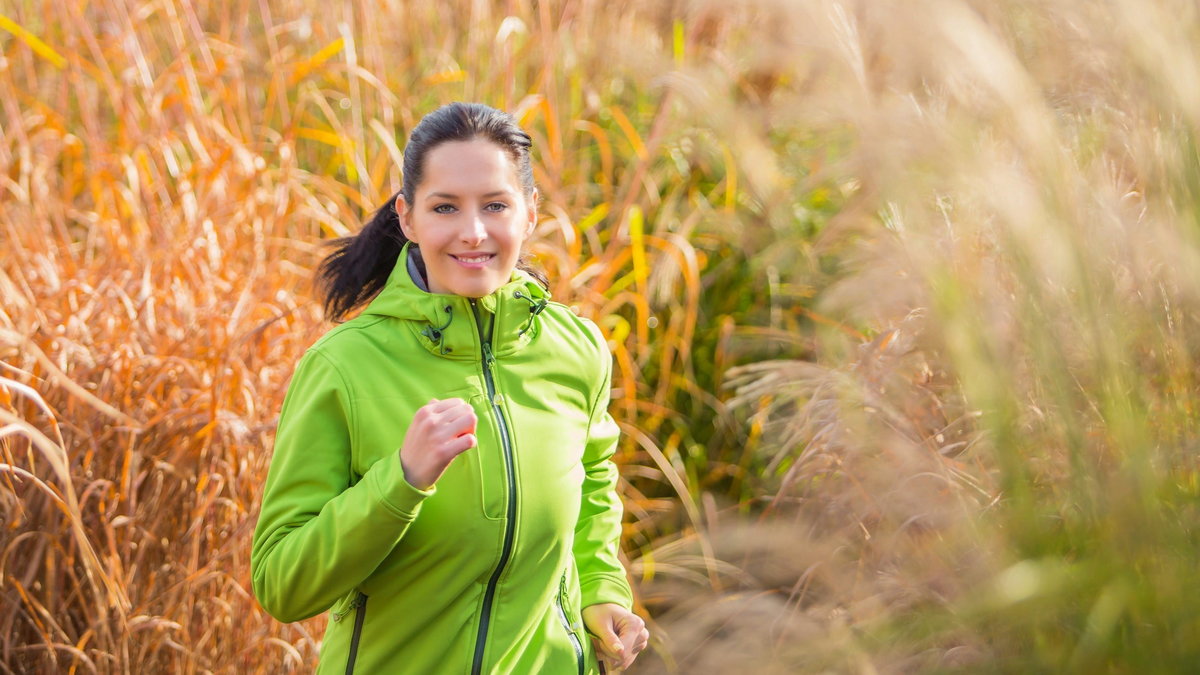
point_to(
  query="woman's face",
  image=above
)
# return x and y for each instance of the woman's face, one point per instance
(469, 216)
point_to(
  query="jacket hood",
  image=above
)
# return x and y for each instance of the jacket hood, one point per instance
(454, 326)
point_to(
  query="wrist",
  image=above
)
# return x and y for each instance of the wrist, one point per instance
(412, 477)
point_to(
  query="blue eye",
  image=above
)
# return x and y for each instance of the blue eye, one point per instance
(496, 206)
(443, 208)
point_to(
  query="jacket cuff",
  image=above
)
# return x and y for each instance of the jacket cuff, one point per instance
(602, 588)
(386, 478)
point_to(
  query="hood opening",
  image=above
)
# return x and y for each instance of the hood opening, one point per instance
(416, 267)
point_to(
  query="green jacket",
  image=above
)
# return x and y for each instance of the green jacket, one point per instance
(487, 571)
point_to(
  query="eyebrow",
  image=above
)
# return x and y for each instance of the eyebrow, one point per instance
(447, 195)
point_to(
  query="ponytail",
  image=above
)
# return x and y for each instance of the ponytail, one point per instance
(359, 266)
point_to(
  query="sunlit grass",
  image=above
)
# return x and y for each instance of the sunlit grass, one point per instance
(902, 302)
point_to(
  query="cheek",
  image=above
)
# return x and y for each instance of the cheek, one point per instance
(432, 238)
(411, 232)
(518, 233)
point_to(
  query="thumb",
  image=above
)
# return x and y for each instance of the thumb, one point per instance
(608, 636)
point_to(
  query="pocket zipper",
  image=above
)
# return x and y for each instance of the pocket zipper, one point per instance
(359, 617)
(562, 615)
(359, 599)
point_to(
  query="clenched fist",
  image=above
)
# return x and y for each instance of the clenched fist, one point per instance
(618, 634)
(440, 431)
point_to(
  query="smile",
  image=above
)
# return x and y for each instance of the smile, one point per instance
(474, 259)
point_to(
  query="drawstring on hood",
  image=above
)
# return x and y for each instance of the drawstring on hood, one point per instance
(535, 308)
(435, 334)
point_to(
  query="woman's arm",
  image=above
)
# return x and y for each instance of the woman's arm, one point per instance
(318, 536)
(619, 634)
(598, 531)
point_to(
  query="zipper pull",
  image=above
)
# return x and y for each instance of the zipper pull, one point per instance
(354, 604)
(487, 353)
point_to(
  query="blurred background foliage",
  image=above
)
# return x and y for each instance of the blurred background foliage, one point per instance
(902, 300)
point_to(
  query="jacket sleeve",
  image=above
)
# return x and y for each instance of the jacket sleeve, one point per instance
(318, 536)
(598, 532)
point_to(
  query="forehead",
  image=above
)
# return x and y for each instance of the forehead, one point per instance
(464, 167)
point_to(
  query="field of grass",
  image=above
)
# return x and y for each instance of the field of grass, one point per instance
(903, 299)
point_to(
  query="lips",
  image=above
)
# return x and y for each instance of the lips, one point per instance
(473, 261)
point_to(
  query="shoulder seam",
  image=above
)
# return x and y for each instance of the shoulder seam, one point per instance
(348, 326)
(606, 358)
(569, 313)
(351, 398)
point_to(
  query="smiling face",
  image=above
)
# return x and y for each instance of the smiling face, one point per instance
(469, 216)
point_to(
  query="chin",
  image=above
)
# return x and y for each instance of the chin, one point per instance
(476, 291)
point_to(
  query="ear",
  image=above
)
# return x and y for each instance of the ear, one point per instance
(533, 211)
(405, 218)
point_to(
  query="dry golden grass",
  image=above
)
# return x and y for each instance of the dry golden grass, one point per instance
(171, 171)
(902, 300)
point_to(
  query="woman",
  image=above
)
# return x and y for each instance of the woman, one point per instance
(442, 479)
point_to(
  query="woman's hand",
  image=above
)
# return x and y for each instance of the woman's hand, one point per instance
(440, 431)
(617, 634)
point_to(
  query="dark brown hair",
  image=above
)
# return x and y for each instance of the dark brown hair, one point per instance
(359, 266)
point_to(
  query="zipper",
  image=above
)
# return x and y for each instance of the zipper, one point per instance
(359, 617)
(489, 595)
(562, 615)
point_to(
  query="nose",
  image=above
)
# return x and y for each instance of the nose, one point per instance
(474, 231)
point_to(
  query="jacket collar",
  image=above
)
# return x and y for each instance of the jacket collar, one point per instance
(450, 325)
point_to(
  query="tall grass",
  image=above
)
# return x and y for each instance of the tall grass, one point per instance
(1005, 471)
(901, 299)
